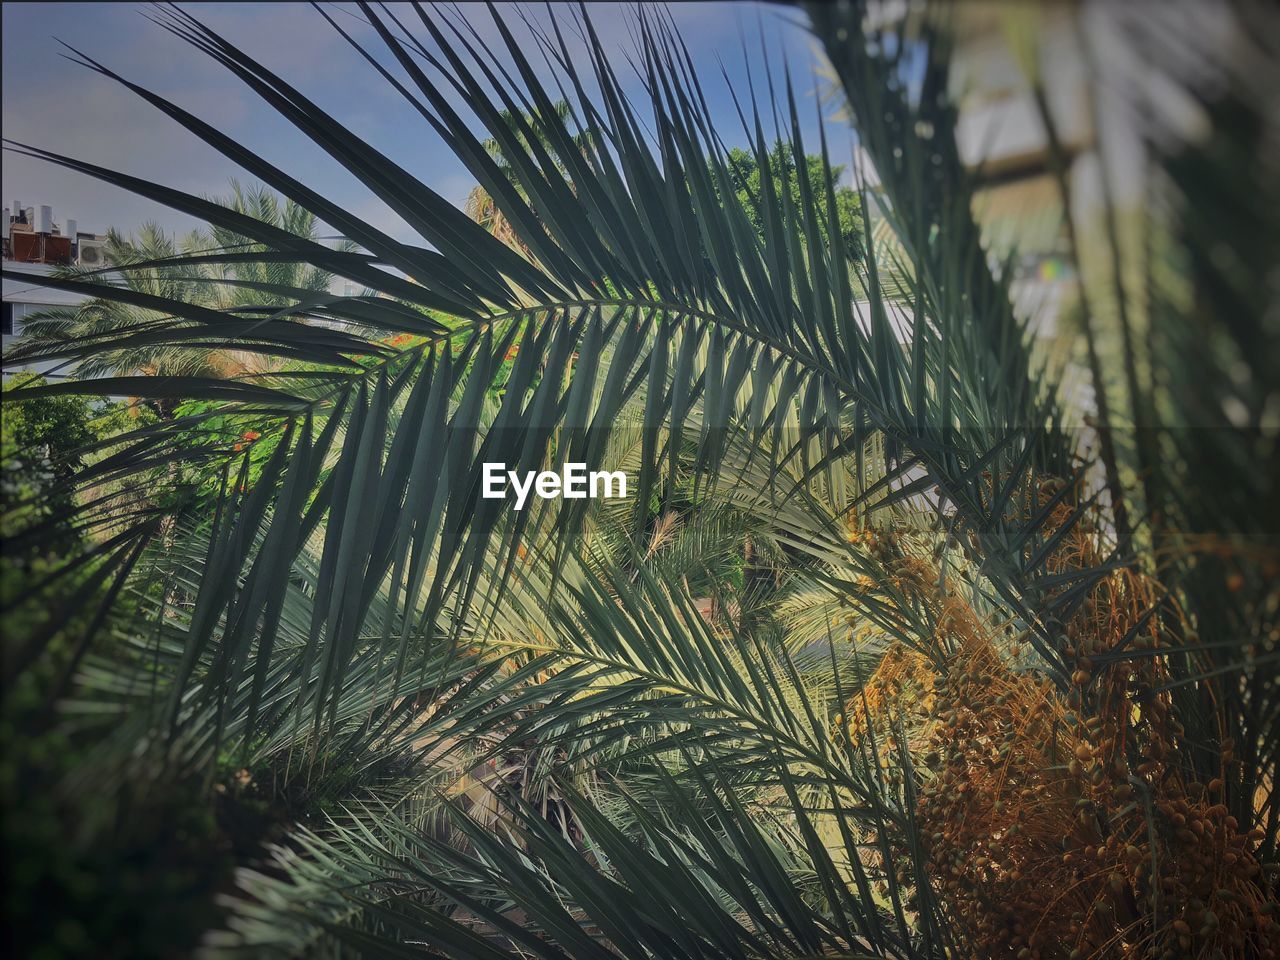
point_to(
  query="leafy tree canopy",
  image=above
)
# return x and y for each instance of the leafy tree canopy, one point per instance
(783, 173)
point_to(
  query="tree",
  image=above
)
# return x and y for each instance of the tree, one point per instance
(965, 717)
(82, 328)
(158, 268)
(41, 449)
(782, 170)
(480, 205)
(245, 278)
(743, 169)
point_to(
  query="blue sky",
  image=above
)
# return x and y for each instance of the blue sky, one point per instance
(52, 103)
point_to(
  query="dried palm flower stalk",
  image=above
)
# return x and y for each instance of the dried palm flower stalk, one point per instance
(1066, 825)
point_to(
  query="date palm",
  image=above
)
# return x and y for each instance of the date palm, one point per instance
(85, 325)
(105, 336)
(516, 733)
(479, 204)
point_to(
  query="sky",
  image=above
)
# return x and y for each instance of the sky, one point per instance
(60, 106)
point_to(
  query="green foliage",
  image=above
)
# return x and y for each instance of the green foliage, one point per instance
(785, 179)
(53, 850)
(42, 445)
(211, 270)
(216, 429)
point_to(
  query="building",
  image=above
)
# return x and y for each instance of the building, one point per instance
(32, 236)
(21, 299)
(36, 246)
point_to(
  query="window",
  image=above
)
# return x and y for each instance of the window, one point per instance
(13, 314)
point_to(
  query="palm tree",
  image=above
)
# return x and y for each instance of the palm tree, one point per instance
(479, 204)
(961, 715)
(247, 278)
(157, 269)
(86, 325)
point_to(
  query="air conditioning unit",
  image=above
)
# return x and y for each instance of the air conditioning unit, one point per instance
(93, 253)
